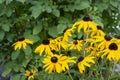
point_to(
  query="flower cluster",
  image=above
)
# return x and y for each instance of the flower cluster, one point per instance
(94, 43)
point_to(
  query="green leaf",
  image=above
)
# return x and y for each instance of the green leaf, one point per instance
(64, 20)
(6, 27)
(16, 77)
(2, 34)
(80, 34)
(80, 5)
(15, 54)
(25, 62)
(8, 11)
(52, 31)
(36, 10)
(28, 35)
(6, 72)
(23, 77)
(48, 9)
(56, 12)
(10, 37)
(8, 1)
(28, 50)
(1, 1)
(17, 67)
(37, 29)
(34, 38)
(114, 3)
(61, 28)
(22, 1)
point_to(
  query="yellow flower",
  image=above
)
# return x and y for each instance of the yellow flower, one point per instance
(76, 44)
(45, 46)
(22, 43)
(112, 51)
(85, 24)
(30, 74)
(102, 41)
(85, 62)
(57, 63)
(68, 33)
(61, 43)
(93, 50)
(97, 32)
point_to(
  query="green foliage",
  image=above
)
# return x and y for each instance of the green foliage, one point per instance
(40, 19)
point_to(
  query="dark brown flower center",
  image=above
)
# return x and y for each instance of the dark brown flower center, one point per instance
(118, 37)
(75, 42)
(86, 18)
(31, 73)
(46, 42)
(107, 37)
(21, 39)
(75, 38)
(113, 46)
(99, 28)
(80, 58)
(54, 59)
(65, 30)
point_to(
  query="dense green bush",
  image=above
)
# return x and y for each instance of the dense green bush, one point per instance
(41, 19)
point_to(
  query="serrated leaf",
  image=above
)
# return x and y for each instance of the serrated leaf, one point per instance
(2, 34)
(52, 31)
(104, 6)
(48, 9)
(15, 54)
(16, 77)
(36, 10)
(37, 29)
(61, 28)
(6, 27)
(56, 12)
(80, 5)
(6, 72)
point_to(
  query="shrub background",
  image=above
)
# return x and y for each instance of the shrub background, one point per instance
(39, 19)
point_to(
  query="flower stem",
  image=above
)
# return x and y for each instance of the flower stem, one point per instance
(69, 75)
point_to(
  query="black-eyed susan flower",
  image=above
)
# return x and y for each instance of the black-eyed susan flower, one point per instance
(57, 63)
(112, 51)
(85, 62)
(68, 33)
(22, 43)
(76, 45)
(61, 43)
(30, 74)
(93, 50)
(102, 41)
(45, 46)
(97, 32)
(85, 24)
